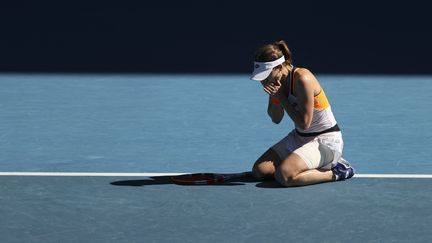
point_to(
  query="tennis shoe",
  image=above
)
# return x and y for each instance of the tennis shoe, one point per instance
(342, 170)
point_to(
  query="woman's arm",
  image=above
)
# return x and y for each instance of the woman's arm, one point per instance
(304, 91)
(276, 112)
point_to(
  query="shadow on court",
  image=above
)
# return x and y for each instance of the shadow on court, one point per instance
(166, 180)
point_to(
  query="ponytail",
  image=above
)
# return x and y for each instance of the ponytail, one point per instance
(285, 50)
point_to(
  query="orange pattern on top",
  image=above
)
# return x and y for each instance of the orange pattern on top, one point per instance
(320, 101)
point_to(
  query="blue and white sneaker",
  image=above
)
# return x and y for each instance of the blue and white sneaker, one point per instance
(342, 170)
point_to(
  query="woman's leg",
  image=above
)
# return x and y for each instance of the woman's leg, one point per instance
(265, 166)
(293, 171)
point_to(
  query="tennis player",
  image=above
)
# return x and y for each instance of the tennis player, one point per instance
(312, 152)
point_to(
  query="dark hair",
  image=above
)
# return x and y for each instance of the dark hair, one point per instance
(271, 52)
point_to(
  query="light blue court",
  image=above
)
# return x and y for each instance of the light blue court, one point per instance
(204, 123)
(186, 123)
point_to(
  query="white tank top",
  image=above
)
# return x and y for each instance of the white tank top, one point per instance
(322, 118)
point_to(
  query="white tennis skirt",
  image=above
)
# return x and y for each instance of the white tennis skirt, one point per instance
(323, 151)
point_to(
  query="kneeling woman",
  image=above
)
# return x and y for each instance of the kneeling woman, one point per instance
(312, 152)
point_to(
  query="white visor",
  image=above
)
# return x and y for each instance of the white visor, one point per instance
(263, 69)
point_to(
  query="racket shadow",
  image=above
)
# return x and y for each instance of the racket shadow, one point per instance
(166, 180)
(269, 184)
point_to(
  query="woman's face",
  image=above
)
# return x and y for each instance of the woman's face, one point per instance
(275, 76)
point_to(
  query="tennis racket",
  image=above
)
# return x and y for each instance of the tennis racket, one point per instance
(207, 178)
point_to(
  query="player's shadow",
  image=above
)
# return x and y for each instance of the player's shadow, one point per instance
(166, 180)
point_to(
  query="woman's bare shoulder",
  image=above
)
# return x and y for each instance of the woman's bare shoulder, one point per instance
(303, 74)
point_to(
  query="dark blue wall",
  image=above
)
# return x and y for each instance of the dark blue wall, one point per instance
(214, 37)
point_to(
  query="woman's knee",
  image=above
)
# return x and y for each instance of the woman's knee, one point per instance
(263, 170)
(265, 166)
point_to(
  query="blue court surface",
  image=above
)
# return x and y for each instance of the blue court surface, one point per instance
(126, 134)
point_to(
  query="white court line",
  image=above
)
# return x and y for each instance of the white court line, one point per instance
(113, 174)
(398, 176)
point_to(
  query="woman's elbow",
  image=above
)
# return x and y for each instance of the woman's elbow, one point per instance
(275, 117)
(276, 121)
